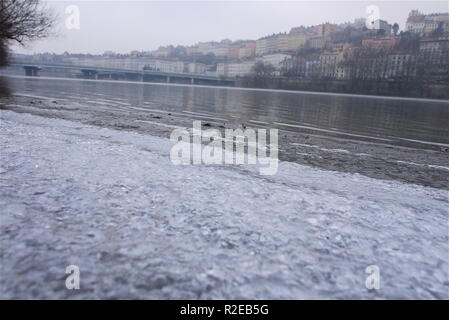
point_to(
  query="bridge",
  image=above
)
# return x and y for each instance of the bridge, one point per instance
(93, 72)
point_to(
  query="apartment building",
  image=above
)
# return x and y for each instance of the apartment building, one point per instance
(239, 69)
(400, 65)
(163, 65)
(261, 46)
(235, 69)
(125, 63)
(317, 42)
(195, 67)
(220, 49)
(136, 64)
(342, 73)
(247, 50)
(290, 42)
(326, 29)
(312, 68)
(233, 51)
(280, 43)
(329, 64)
(434, 50)
(423, 24)
(300, 67)
(242, 49)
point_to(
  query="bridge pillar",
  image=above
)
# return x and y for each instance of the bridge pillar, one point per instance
(90, 73)
(31, 71)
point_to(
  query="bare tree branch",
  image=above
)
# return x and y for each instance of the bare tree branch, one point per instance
(24, 20)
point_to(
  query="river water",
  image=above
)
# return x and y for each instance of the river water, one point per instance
(400, 120)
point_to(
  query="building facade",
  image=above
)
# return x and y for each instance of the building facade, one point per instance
(329, 63)
(232, 70)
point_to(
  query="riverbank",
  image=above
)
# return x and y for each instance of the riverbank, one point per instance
(410, 89)
(380, 89)
(111, 202)
(381, 158)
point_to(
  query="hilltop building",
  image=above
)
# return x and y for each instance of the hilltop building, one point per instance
(423, 24)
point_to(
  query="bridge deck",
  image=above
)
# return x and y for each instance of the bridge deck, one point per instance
(127, 71)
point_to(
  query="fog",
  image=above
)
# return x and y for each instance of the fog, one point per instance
(122, 26)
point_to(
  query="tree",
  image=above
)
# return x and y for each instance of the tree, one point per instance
(22, 21)
(408, 43)
(263, 70)
(395, 28)
(3, 54)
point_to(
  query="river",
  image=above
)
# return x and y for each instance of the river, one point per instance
(395, 120)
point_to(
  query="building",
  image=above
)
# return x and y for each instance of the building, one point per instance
(399, 66)
(239, 69)
(195, 67)
(381, 25)
(233, 70)
(342, 73)
(296, 41)
(324, 29)
(242, 49)
(328, 28)
(135, 64)
(415, 22)
(329, 62)
(290, 42)
(275, 59)
(261, 46)
(247, 50)
(359, 23)
(317, 42)
(162, 52)
(191, 50)
(384, 42)
(272, 44)
(220, 49)
(423, 24)
(300, 67)
(436, 51)
(233, 51)
(312, 68)
(280, 43)
(160, 65)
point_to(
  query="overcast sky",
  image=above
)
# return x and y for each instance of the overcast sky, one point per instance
(122, 26)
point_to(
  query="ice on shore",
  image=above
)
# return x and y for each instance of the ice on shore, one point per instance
(137, 226)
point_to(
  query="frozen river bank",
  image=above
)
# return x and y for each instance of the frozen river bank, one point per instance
(137, 226)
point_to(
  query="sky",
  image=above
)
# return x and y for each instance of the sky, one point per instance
(144, 25)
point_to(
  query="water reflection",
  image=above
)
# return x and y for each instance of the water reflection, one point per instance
(411, 119)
